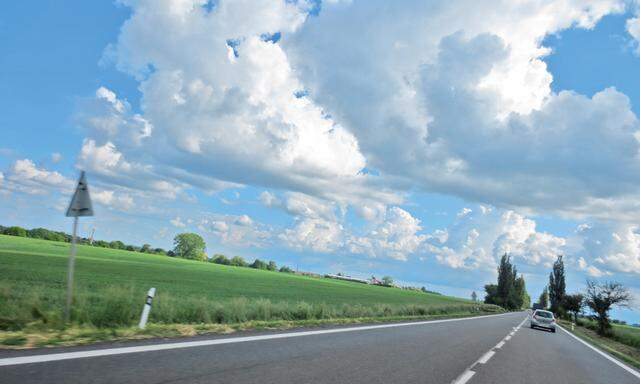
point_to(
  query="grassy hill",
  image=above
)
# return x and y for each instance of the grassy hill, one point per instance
(111, 286)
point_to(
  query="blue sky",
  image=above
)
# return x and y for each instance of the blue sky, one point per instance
(328, 149)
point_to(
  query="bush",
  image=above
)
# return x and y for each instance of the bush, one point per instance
(238, 262)
(272, 266)
(220, 259)
(15, 231)
(259, 264)
(286, 269)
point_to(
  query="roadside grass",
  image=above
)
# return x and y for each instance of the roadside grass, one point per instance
(624, 334)
(111, 286)
(35, 336)
(624, 352)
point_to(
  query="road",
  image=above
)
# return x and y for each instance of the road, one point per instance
(497, 349)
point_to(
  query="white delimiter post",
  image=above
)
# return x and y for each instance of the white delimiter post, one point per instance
(147, 308)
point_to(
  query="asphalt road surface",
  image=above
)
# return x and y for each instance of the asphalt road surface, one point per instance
(496, 349)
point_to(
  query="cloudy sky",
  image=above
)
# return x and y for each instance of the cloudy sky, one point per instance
(419, 139)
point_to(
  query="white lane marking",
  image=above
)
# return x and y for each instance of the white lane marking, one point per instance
(202, 343)
(605, 355)
(469, 372)
(507, 338)
(486, 357)
(466, 376)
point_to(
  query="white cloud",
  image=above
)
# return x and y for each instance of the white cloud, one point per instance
(26, 177)
(177, 222)
(56, 157)
(112, 199)
(613, 246)
(239, 231)
(314, 234)
(477, 240)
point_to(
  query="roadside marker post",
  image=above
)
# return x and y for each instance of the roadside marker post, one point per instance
(80, 206)
(147, 308)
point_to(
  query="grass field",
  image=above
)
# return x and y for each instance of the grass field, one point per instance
(624, 334)
(111, 286)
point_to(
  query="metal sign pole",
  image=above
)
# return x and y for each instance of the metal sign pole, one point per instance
(72, 261)
(80, 206)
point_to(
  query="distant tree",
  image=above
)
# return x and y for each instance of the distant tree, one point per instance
(159, 251)
(117, 244)
(285, 269)
(170, 253)
(190, 246)
(146, 248)
(101, 244)
(238, 261)
(602, 297)
(491, 294)
(424, 289)
(521, 299)
(258, 264)
(544, 298)
(573, 304)
(474, 296)
(272, 266)
(130, 248)
(387, 280)
(557, 286)
(15, 231)
(220, 259)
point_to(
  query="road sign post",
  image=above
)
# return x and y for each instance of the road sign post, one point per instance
(80, 206)
(147, 308)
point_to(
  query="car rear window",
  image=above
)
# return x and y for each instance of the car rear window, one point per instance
(547, 315)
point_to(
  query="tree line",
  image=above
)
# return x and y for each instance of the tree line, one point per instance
(599, 297)
(510, 292)
(186, 245)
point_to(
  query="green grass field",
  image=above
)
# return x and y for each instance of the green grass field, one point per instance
(111, 286)
(624, 334)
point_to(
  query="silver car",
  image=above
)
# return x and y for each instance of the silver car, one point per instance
(543, 319)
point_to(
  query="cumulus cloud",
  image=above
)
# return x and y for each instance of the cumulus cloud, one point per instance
(478, 239)
(25, 176)
(239, 231)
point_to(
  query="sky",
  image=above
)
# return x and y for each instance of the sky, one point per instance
(421, 140)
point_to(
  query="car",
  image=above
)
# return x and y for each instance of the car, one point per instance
(543, 319)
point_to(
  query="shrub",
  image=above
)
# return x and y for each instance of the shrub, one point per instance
(220, 259)
(238, 261)
(15, 231)
(258, 264)
(286, 269)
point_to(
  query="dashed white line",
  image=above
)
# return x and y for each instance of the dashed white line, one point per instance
(466, 376)
(469, 372)
(486, 357)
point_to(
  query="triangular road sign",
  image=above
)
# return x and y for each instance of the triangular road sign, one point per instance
(80, 202)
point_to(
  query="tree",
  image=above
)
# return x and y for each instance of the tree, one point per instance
(522, 299)
(602, 297)
(15, 231)
(190, 246)
(272, 266)
(238, 261)
(388, 281)
(506, 280)
(146, 248)
(557, 286)
(573, 303)
(491, 294)
(258, 264)
(286, 269)
(544, 298)
(117, 244)
(474, 296)
(220, 259)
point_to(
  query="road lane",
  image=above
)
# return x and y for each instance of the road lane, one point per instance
(431, 353)
(539, 356)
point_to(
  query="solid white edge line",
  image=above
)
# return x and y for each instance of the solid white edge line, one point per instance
(499, 345)
(486, 357)
(202, 343)
(466, 376)
(604, 354)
